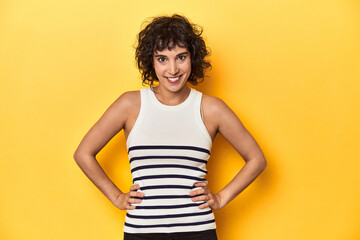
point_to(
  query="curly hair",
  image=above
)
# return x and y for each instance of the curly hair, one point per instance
(170, 32)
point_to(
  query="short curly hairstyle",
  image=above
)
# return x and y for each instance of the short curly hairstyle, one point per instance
(164, 31)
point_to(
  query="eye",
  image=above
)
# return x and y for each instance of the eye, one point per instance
(182, 57)
(161, 59)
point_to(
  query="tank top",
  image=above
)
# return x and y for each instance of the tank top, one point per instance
(168, 149)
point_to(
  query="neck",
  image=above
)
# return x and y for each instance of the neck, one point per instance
(171, 98)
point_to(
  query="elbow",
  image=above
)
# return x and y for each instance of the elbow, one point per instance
(82, 157)
(78, 156)
(262, 163)
(258, 163)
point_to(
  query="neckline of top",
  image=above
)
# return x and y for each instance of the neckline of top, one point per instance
(162, 105)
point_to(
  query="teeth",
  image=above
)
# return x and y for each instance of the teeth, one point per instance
(173, 79)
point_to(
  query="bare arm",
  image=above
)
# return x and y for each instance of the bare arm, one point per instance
(110, 123)
(231, 128)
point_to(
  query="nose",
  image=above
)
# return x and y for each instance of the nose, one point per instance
(173, 68)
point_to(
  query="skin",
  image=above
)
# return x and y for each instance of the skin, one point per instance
(172, 64)
(217, 118)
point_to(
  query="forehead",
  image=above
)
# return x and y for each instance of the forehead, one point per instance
(174, 51)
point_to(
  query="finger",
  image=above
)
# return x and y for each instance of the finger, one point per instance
(134, 187)
(201, 198)
(201, 184)
(207, 204)
(198, 192)
(137, 194)
(130, 207)
(134, 200)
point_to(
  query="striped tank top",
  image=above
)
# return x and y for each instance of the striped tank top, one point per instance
(168, 149)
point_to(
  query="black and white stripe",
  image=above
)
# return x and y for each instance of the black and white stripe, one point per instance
(166, 174)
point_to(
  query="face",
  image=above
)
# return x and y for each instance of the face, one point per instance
(172, 68)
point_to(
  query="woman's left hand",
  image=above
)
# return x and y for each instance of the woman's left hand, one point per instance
(212, 200)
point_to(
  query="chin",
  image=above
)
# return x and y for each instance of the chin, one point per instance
(177, 87)
(173, 87)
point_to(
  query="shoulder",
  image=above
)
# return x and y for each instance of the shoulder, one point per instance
(130, 95)
(213, 104)
(124, 105)
(128, 99)
(218, 113)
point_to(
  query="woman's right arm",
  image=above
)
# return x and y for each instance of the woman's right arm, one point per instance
(111, 122)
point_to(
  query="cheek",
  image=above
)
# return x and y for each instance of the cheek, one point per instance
(160, 72)
(189, 67)
(157, 68)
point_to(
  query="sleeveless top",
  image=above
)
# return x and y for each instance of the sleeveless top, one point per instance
(168, 149)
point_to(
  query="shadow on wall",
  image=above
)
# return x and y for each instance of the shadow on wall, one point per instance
(231, 219)
(223, 165)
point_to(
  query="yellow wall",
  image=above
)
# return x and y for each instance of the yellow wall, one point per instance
(289, 69)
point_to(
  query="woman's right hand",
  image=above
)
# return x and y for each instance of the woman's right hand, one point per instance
(124, 200)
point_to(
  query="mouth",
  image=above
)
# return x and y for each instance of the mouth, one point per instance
(173, 79)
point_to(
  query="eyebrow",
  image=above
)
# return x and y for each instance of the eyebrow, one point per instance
(183, 53)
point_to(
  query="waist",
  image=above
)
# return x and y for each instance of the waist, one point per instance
(167, 218)
(167, 207)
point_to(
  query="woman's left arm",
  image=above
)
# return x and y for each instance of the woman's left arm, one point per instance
(232, 129)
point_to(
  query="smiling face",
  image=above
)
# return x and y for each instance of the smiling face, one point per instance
(172, 68)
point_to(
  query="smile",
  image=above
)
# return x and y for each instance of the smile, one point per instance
(174, 79)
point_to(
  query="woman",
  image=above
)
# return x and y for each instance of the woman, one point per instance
(169, 129)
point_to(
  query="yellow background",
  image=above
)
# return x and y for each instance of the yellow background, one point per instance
(289, 69)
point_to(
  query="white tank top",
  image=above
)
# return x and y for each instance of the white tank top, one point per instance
(168, 149)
